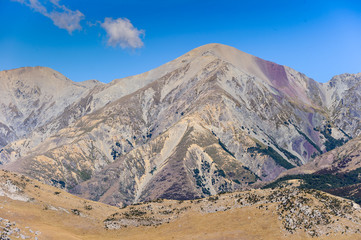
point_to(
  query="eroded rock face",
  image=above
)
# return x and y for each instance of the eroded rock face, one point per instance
(337, 172)
(343, 100)
(31, 97)
(340, 160)
(213, 120)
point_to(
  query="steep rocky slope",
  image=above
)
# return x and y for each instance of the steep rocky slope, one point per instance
(31, 98)
(343, 159)
(337, 172)
(215, 119)
(343, 100)
(32, 210)
(96, 98)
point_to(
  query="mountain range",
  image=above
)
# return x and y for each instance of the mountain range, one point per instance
(214, 120)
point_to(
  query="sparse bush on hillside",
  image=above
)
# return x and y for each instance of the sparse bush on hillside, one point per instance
(88, 207)
(213, 198)
(76, 212)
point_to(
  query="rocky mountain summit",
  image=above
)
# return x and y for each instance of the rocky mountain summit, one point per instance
(213, 120)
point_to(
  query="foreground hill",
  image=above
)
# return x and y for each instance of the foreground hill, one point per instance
(30, 209)
(33, 209)
(213, 120)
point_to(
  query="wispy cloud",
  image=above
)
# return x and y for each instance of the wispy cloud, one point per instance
(121, 32)
(61, 16)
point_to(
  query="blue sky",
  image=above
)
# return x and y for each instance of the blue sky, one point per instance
(107, 39)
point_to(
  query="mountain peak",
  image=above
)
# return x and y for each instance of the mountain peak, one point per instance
(282, 78)
(217, 48)
(224, 52)
(28, 70)
(34, 76)
(347, 79)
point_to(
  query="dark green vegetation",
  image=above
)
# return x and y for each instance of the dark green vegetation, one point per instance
(331, 143)
(200, 181)
(115, 153)
(286, 153)
(225, 148)
(340, 184)
(308, 139)
(272, 153)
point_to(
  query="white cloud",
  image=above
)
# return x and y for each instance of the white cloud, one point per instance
(69, 20)
(121, 32)
(61, 16)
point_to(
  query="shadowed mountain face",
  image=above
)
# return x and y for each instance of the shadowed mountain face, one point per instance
(213, 120)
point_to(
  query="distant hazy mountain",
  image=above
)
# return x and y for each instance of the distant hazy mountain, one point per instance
(213, 120)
